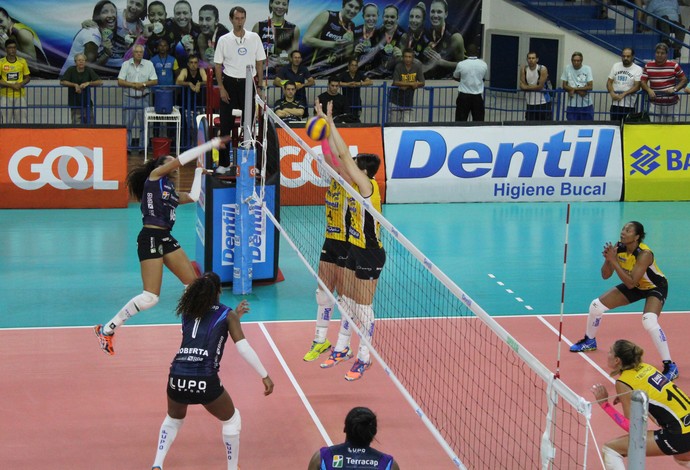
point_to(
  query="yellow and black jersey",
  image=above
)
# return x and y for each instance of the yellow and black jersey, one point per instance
(336, 212)
(652, 277)
(668, 404)
(365, 231)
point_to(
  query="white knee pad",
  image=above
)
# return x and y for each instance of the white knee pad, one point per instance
(145, 300)
(650, 321)
(323, 299)
(348, 306)
(597, 308)
(233, 426)
(612, 459)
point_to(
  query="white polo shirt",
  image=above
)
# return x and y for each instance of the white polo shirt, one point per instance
(236, 53)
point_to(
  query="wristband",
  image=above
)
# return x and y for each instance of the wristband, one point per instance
(617, 416)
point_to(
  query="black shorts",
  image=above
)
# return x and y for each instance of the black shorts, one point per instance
(193, 390)
(335, 251)
(672, 444)
(367, 263)
(635, 294)
(153, 243)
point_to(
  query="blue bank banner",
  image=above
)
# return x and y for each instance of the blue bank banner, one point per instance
(50, 34)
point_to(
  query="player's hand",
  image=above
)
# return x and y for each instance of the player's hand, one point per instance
(242, 309)
(268, 385)
(600, 393)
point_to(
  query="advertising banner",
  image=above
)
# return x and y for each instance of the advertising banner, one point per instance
(63, 168)
(503, 163)
(656, 162)
(49, 34)
(300, 179)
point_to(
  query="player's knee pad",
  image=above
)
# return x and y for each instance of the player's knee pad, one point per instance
(145, 300)
(233, 426)
(173, 423)
(347, 305)
(650, 321)
(323, 299)
(597, 308)
(612, 459)
(682, 463)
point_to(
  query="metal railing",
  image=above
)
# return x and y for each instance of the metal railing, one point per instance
(47, 105)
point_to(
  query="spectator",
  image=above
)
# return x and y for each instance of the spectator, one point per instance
(235, 53)
(407, 77)
(194, 78)
(211, 30)
(295, 72)
(533, 80)
(136, 76)
(623, 85)
(289, 108)
(165, 65)
(77, 78)
(331, 94)
(661, 79)
(669, 10)
(351, 83)
(471, 73)
(577, 81)
(360, 430)
(14, 76)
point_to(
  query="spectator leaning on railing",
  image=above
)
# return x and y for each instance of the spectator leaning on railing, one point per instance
(77, 78)
(533, 81)
(661, 79)
(578, 81)
(136, 75)
(623, 84)
(14, 76)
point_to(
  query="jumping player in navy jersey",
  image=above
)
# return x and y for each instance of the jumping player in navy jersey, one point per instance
(153, 183)
(355, 452)
(193, 378)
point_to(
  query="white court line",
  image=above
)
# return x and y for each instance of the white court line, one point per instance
(510, 291)
(298, 389)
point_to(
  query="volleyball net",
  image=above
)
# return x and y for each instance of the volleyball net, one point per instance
(488, 401)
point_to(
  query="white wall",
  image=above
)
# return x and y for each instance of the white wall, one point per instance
(503, 16)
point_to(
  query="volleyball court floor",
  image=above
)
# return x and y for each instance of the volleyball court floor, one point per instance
(66, 405)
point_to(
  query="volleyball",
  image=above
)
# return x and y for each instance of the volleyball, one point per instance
(317, 128)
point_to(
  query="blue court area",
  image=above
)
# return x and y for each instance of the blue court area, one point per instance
(78, 267)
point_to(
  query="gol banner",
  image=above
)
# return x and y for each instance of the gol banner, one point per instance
(63, 168)
(656, 162)
(300, 179)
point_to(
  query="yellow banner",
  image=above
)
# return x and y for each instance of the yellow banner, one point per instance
(656, 162)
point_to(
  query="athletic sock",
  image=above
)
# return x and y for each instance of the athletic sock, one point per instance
(231, 439)
(596, 311)
(166, 437)
(650, 321)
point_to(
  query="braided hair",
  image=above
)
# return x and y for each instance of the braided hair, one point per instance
(199, 297)
(360, 426)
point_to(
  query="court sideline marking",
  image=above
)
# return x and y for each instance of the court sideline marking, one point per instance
(298, 389)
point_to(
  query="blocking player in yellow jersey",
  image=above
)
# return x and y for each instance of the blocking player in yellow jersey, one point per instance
(669, 407)
(634, 264)
(366, 255)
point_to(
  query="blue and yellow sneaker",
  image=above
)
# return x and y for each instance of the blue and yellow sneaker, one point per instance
(586, 344)
(357, 370)
(337, 357)
(670, 370)
(316, 350)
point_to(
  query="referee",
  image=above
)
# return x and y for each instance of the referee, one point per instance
(234, 52)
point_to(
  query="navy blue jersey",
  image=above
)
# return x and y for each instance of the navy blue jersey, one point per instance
(158, 203)
(348, 457)
(203, 342)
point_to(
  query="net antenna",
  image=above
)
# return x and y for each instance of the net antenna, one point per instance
(565, 264)
(481, 394)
